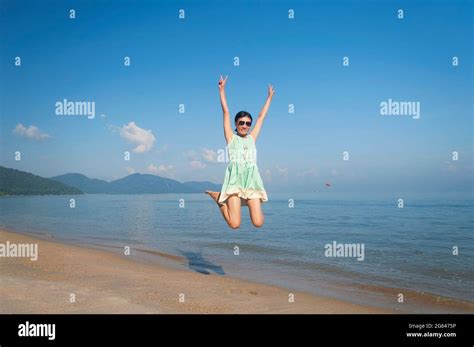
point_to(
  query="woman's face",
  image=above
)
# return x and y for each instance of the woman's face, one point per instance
(243, 125)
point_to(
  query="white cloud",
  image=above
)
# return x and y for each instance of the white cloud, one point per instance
(283, 171)
(130, 170)
(312, 172)
(32, 132)
(204, 154)
(209, 155)
(161, 170)
(143, 139)
(268, 175)
(196, 164)
(191, 154)
(197, 160)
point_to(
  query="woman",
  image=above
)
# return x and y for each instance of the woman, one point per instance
(242, 183)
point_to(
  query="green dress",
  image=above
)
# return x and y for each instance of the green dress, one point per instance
(242, 177)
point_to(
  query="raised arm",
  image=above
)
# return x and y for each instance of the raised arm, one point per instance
(261, 116)
(225, 110)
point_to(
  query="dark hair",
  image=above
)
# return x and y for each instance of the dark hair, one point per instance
(242, 114)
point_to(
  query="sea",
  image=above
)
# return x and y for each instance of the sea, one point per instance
(423, 245)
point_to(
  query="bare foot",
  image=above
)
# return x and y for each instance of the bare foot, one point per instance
(214, 196)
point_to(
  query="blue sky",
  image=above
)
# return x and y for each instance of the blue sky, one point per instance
(173, 61)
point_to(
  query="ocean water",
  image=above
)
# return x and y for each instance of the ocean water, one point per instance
(408, 248)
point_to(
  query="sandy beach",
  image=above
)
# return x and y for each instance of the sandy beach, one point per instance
(109, 282)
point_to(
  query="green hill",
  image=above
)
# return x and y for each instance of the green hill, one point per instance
(84, 183)
(16, 182)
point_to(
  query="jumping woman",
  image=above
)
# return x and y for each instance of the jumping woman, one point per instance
(242, 185)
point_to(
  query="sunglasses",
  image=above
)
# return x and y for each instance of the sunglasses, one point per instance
(246, 123)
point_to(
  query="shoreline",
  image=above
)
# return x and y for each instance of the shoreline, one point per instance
(104, 281)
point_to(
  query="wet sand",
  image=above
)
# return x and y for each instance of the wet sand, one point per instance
(102, 281)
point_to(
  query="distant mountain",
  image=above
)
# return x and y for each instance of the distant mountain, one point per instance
(148, 184)
(16, 182)
(134, 184)
(84, 183)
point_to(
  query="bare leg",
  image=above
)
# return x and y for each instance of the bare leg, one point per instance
(231, 211)
(256, 213)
